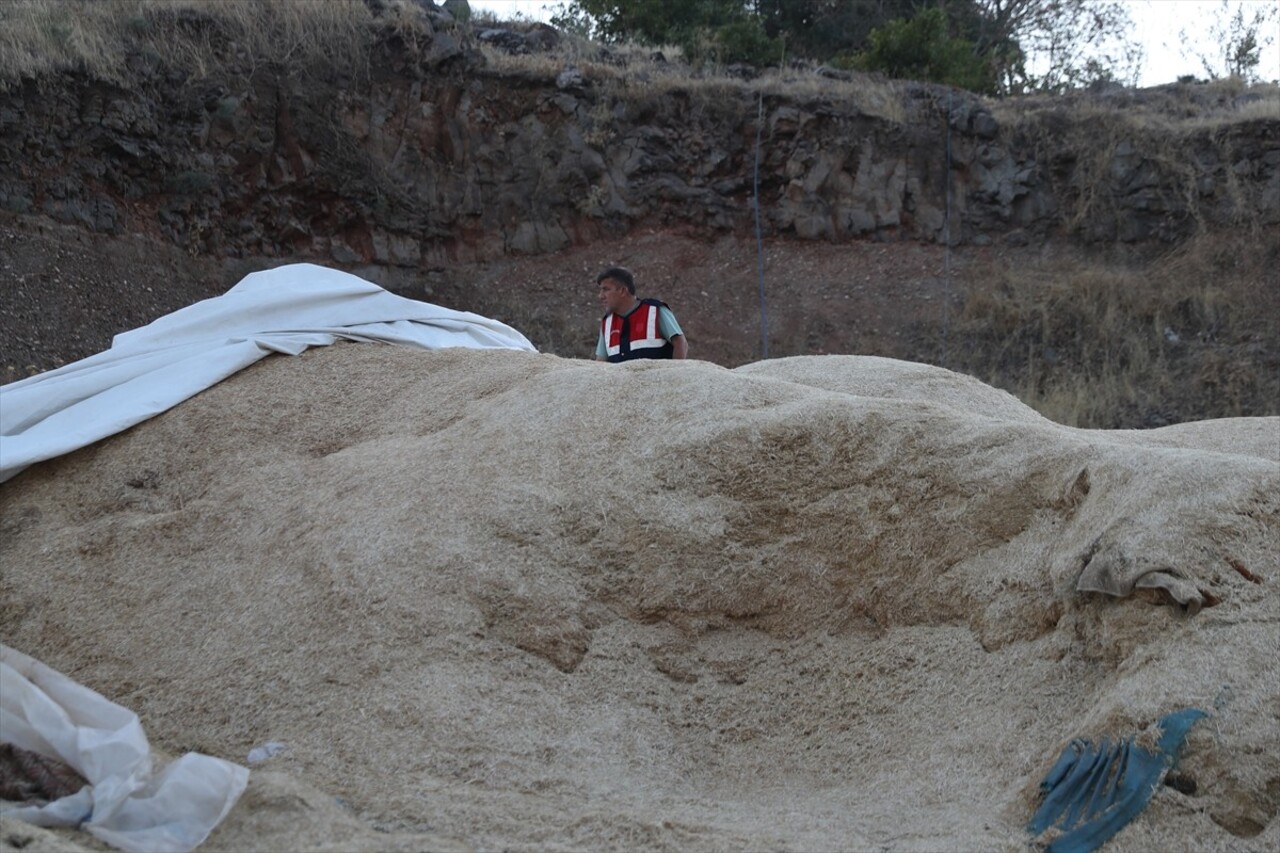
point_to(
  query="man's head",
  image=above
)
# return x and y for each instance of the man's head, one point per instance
(617, 289)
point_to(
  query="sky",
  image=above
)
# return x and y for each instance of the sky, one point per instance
(1158, 23)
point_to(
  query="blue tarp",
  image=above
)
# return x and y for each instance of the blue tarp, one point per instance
(1093, 792)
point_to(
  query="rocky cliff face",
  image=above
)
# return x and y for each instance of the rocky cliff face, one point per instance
(435, 157)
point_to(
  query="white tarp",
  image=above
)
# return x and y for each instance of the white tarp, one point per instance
(152, 369)
(43, 711)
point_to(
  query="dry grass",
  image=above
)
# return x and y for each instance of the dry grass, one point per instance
(636, 73)
(1194, 334)
(101, 39)
(1173, 108)
(202, 37)
(1095, 143)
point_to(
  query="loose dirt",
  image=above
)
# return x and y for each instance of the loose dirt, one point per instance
(72, 291)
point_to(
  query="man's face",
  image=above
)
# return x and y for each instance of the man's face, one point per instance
(614, 296)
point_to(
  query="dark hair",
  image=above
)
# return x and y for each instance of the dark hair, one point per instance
(619, 274)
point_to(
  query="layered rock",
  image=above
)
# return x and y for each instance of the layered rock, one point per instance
(435, 156)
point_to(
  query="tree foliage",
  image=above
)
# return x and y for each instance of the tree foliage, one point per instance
(922, 48)
(823, 29)
(745, 40)
(655, 21)
(722, 31)
(572, 18)
(1005, 46)
(1054, 45)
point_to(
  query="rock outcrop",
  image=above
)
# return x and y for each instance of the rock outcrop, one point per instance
(434, 154)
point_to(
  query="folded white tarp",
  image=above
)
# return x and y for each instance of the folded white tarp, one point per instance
(43, 711)
(152, 369)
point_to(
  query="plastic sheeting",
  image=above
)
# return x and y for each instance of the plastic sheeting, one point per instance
(152, 369)
(124, 804)
(1093, 792)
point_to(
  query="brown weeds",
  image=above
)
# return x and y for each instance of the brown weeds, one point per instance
(1186, 336)
(40, 37)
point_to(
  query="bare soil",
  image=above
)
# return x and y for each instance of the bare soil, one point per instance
(69, 292)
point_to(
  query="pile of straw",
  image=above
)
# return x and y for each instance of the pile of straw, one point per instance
(499, 600)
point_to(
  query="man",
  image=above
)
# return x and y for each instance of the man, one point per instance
(635, 328)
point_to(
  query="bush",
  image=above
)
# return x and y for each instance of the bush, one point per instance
(920, 48)
(745, 41)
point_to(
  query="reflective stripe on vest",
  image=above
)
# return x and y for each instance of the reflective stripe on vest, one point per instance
(642, 325)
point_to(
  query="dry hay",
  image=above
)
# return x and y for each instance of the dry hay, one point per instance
(510, 601)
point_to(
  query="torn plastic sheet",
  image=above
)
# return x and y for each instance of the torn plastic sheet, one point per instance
(126, 806)
(1093, 792)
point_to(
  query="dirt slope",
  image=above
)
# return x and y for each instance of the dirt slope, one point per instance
(515, 601)
(73, 291)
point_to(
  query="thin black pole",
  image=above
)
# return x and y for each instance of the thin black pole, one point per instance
(946, 240)
(764, 318)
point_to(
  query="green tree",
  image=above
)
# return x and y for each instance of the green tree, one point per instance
(1052, 45)
(717, 30)
(921, 48)
(824, 29)
(656, 21)
(1024, 45)
(745, 40)
(572, 18)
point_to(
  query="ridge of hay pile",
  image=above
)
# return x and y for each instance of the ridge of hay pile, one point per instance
(501, 600)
